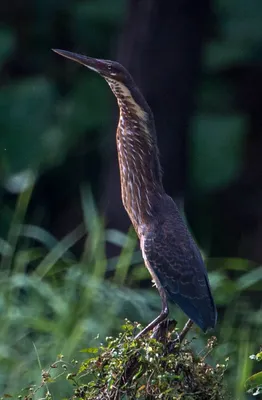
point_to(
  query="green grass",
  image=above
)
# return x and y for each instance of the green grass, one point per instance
(51, 304)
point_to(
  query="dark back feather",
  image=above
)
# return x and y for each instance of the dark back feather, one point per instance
(170, 251)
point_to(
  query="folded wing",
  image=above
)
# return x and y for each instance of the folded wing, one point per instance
(178, 265)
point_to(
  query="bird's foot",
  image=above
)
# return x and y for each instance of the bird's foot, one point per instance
(185, 330)
(160, 332)
(180, 337)
(157, 321)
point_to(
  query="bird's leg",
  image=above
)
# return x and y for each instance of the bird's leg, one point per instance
(162, 316)
(160, 332)
(179, 339)
(185, 330)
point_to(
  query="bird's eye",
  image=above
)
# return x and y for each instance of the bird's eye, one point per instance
(110, 70)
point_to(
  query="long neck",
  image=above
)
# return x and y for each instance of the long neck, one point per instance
(140, 172)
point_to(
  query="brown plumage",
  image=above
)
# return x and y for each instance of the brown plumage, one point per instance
(168, 249)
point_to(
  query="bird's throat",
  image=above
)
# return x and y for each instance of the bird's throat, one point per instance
(140, 172)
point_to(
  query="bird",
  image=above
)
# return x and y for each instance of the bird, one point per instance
(170, 252)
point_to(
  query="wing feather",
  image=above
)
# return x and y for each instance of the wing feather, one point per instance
(178, 265)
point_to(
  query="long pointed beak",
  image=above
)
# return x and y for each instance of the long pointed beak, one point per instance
(94, 64)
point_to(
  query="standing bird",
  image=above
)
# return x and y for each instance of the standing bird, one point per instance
(168, 249)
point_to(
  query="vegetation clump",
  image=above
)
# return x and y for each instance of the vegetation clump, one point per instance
(254, 382)
(125, 368)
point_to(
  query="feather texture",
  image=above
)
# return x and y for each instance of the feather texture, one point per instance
(171, 254)
(168, 248)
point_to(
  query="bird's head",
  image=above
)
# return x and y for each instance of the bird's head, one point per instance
(110, 70)
(119, 80)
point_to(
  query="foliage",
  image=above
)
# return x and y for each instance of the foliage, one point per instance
(145, 368)
(128, 368)
(254, 382)
(53, 303)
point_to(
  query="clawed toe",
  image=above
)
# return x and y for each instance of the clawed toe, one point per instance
(161, 330)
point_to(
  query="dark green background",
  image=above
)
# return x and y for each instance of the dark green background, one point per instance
(199, 64)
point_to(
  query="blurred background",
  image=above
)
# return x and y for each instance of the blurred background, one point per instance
(70, 265)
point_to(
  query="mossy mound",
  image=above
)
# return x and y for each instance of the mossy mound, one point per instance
(125, 368)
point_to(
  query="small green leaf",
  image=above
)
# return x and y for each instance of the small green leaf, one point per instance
(254, 381)
(92, 350)
(138, 374)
